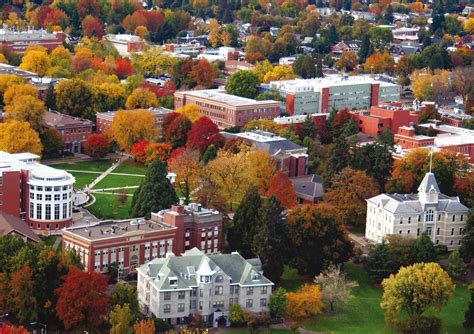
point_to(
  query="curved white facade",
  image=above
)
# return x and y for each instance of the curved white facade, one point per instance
(50, 197)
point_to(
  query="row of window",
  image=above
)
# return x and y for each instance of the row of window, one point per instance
(58, 213)
(48, 197)
(57, 188)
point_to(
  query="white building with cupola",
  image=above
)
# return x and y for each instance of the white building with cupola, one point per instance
(442, 217)
(176, 288)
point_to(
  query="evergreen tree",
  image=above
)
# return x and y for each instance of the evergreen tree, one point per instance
(386, 138)
(209, 154)
(332, 34)
(244, 223)
(469, 316)
(319, 68)
(376, 160)
(388, 16)
(347, 4)
(381, 262)
(304, 67)
(365, 48)
(467, 243)
(338, 159)
(268, 239)
(308, 129)
(424, 250)
(456, 266)
(155, 193)
(50, 100)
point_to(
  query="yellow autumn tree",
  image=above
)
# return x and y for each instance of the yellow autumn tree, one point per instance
(414, 290)
(214, 37)
(427, 84)
(262, 68)
(263, 124)
(15, 91)
(3, 59)
(261, 169)
(187, 169)
(131, 126)
(305, 302)
(347, 61)
(469, 25)
(191, 111)
(7, 80)
(141, 98)
(17, 137)
(27, 108)
(36, 61)
(279, 73)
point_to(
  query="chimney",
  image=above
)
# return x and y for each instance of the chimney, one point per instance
(177, 208)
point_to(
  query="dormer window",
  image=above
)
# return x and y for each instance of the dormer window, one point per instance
(205, 279)
(173, 280)
(219, 279)
(255, 276)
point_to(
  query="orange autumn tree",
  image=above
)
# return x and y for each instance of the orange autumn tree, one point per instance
(159, 151)
(379, 63)
(305, 302)
(281, 187)
(144, 327)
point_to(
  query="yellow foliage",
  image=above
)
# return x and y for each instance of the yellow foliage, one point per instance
(426, 84)
(469, 25)
(141, 98)
(261, 169)
(263, 124)
(26, 108)
(15, 91)
(262, 68)
(36, 61)
(415, 289)
(279, 73)
(191, 111)
(60, 53)
(3, 59)
(305, 302)
(6, 80)
(131, 126)
(17, 137)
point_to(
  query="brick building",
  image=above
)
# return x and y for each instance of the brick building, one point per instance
(104, 119)
(125, 43)
(18, 41)
(407, 139)
(227, 110)
(38, 194)
(132, 242)
(74, 131)
(319, 120)
(321, 95)
(384, 116)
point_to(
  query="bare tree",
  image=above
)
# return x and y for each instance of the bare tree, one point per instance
(335, 287)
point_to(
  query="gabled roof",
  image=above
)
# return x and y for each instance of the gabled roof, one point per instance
(309, 187)
(13, 225)
(428, 184)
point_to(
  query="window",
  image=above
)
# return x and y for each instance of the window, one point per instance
(32, 209)
(181, 295)
(219, 290)
(400, 232)
(192, 305)
(460, 231)
(249, 303)
(451, 242)
(461, 218)
(64, 196)
(48, 212)
(263, 302)
(437, 231)
(454, 217)
(167, 308)
(217, 304)
(263, 290)
(249, 291)
(408, 232)
(401, 220)
(181, 307)
(39, 214)
(167, 296)
(409, 220)
(64, 210)
(419, 217)
(219, 279)
(39, 197)
(57, 197)
(47, 197)
(429, 216)
(452, 231)
(56, 211)
(417, 231)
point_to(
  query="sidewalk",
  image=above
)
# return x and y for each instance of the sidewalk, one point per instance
(104, 174)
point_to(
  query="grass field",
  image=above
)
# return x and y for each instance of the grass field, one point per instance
(363, 313)
(117, 181)
(90, 166)
(83, 178)
(108, 207)
(130, 167)
(117, 191)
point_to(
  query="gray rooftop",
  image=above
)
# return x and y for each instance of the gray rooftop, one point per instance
(183, 269)
(309, 187)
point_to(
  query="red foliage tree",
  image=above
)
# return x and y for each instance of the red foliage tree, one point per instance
(152, 20)
(123, 68)
(88, 7)
(138, 151)
(7, 329)
(176, 133)
(168, 119)
(168, 89)
(175, 154)
(281, 187)
(82, 62)
(81, 299)
(91, 27)
(202, 134)
(203, 73)
(49, 16)
(96, 146)
(160, 151)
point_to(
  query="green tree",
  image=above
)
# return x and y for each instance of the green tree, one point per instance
(381, 262)
(245, 220)
(456, 266)
(319, 68)
(209, 154)
(317, 239)
(375, 159)
(243, 83)
(380, 38)
(155, 193)
(469, 315)
(236, 315)
(269, 239)
(52, 143)
(304, 67)
(415, 289)
(121, 320)
(423, 250)
(124, 293)
(365, 48)
(467, 243)
(386, 138)
(277, 303)
(338, 159)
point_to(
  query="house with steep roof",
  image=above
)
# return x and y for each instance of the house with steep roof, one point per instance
(441, 217)
(11, 225)
(176, 288)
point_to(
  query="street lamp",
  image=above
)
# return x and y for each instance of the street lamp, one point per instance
(42, 325)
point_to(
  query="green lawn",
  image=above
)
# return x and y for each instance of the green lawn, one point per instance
(83, 178)
(363, 313)
(91, 166)
(117, 181)
(118, 191)
(108, 206)
(130, 167)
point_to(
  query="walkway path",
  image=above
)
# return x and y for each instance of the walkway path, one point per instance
(104, 174)
(116, 188)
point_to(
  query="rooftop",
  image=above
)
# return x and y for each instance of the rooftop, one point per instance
(109, 229)
(11, 224)
(221, 96)
(123, 38)
(26, 35)
(58, 120)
